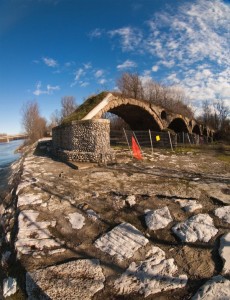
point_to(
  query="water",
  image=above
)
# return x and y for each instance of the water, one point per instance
(7, 157)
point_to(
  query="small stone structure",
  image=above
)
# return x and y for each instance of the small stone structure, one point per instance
(84, 140)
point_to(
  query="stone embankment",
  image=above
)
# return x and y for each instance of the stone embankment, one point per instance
(157, 228)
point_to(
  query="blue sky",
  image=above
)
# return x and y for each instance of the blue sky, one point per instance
(55, 48)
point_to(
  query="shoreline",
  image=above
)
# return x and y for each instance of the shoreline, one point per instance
(10, 138)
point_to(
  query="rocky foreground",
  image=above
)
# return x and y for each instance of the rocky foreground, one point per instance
(157, 228)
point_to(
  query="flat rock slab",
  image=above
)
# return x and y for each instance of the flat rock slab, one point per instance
(33, 235)
(158, 218)
(122, 241)
(224, 251)
(217, 191)
(217, 288)
(9, 287)
(188, 205)
(151, 276)
(77, 220)
(223, 213)
(199, 227)
(29, 199)
(73, 280)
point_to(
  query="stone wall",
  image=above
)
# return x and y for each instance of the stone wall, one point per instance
(87, 140)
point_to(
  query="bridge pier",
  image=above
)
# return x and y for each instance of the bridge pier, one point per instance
(85, 140)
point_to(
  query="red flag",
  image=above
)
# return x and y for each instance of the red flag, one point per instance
(136, 149)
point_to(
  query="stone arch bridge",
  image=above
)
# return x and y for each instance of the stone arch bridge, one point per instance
(84, 135)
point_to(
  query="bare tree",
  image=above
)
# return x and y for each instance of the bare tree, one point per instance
(171, 98)
(68, 106)
(55, 118)
(130, 85)
(222, 111)
(33, 124)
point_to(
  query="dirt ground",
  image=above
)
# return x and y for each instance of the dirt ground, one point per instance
(161, 178)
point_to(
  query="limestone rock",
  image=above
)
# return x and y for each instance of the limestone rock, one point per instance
(189, 205)
(151, 276)
(9, 286)
(158, 218)
(199, 227)
(223, 213)
(131, 200)
(77, 220)
(33, 234)
(29, 199)
(92, 215)
(219, 191)
(224, 251)
(80, 279)
(122, 241)
(217, 288)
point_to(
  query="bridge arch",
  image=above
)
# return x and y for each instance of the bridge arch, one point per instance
(139, 115)
(196, 129)
(178, 125)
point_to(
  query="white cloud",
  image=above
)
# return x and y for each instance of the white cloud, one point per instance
(83, 83)
(155, 68)
(129, 37)
(102, 81)
(195, 39)
(195, 32)
(48, 91)
(97, 32)
(50, 62)
(99, 73)
(80, 72)
(128, 64)
(87, 66)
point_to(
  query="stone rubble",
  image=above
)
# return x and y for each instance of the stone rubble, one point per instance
(217, 288)
(224, 252)
(158, 218)
(131, 200)
(29, 199)
(122, 241)
(79, 279)
(32, 234)
(199, 227)
(223, 213)
(60, 211)
(151, 276)
(9, 287)
(189, 205)
(92, 215)
(77, 220)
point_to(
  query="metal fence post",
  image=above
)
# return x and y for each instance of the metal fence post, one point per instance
(127, 141)
(170, 140)
(151, 142)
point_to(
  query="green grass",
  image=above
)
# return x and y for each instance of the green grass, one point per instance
(85, 108)
(224, 157)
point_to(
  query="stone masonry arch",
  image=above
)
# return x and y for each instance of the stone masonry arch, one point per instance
(85, 136)
(140, 115)
(178, 125)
